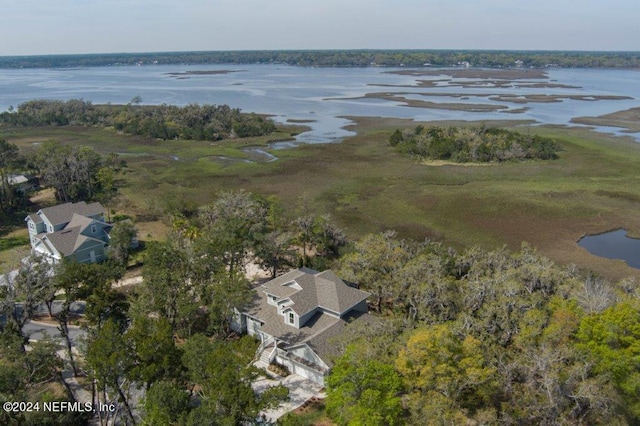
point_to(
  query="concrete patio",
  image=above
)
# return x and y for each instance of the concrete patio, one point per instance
(300, 390)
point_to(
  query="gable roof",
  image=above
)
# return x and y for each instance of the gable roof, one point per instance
(76, 218)
(84, 222)
(322, 332)
(68, 240)
(274, 325)
(309, 289)
(35, 218)
(63, 213)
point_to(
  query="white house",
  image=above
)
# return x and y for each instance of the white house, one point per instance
(72, 230)
(298, 318)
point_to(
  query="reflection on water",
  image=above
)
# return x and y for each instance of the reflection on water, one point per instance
(614, 245)
(325, 96)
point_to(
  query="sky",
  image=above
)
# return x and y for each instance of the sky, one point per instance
(35, 27)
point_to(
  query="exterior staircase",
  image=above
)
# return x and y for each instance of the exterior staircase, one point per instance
(266, 353)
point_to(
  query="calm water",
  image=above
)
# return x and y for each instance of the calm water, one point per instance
(323, 95)
(614, 245)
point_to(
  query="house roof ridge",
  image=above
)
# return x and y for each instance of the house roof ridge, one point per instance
(319, 332)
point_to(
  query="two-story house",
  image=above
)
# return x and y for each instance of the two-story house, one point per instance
(75, 231)
(299, 317)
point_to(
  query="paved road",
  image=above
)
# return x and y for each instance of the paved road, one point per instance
(36, 330)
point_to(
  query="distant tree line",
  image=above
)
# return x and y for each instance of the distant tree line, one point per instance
(341, 58)
(474, 144)
(196, 122)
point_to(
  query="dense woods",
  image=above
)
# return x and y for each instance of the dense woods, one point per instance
(486, 337)
(342, 58)
(197, 122)
(475, 144)
(468, 337)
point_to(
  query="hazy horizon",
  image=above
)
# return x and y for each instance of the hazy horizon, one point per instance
(313, 50)
(146, 26)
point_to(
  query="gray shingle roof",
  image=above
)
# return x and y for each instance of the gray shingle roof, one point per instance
(323, 332)
(77, 218)
(275, 326)
(35, 218)
(310, 290)
(63, 241)
(329, 343)
(68, 240)
(318, 289)
(63, 213)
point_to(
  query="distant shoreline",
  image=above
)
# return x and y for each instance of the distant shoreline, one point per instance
(498, 59)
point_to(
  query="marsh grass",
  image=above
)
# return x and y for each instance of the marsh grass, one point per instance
(367, 187)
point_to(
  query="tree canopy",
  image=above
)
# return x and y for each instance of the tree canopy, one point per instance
(474, 144)
(193, 121)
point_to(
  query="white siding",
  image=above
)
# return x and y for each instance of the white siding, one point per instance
(305, 352)
(253, 327)
(301, 370)
(238, 322)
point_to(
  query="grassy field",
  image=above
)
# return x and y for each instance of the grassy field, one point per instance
(367, 187)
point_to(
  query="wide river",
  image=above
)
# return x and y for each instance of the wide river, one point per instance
(325, 95)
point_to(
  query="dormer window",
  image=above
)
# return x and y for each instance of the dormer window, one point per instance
(274, 298)
(291, 318)
(293, 284)
(50, 228)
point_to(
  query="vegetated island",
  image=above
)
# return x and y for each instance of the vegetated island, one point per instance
(191, 122)
(472, 145)
(342, 58)
(187, 74)
(501, 74)
(504, 97)
(628, 119)
(417, 103)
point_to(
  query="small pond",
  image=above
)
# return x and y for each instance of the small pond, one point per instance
(613, 245)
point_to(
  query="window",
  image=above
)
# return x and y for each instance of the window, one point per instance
(291, 318)
(31, 225)
(274, 298)
(94, 229)
(50, 228)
